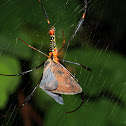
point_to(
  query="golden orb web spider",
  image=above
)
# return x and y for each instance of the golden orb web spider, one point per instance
(56, 79)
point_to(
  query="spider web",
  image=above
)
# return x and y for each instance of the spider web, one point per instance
(98, 45)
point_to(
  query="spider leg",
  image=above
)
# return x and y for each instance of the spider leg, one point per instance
(63, 43)
(25, 72)
(87, 68)
(79, 24)
(29, 96)
(45, 13)
(82, 101)
(33, 47)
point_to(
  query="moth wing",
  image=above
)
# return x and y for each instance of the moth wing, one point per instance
(66, 82)
(56, 97)
(48, 82)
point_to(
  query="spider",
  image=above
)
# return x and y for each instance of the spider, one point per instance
(56, 79)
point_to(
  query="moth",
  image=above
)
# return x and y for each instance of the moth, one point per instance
(58, 80)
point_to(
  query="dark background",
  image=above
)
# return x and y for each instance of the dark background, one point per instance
(99, 44)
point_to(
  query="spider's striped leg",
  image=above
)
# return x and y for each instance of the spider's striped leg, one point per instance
(87, 68)
(45, 13)
(25, 72)
(79, 24)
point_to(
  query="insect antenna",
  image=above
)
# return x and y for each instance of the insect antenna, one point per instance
(82, 101)
(45, 13)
